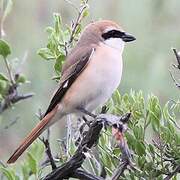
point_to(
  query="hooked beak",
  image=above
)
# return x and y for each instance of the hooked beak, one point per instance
(128, 37)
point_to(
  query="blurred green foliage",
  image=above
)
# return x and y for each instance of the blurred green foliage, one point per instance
(29, 169)
(152, 137)
(14, 80)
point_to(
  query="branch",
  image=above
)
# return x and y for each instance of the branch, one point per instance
(80, 174)
(126, 155)
(177, 170)
(70, 168)
(174, 80)
(177, 58)
(48, 153)
(75, 24)
(78, 158)
(176, 66)
(120, 170)
(12, 99)
(9, 71)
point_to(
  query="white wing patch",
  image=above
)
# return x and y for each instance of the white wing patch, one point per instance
(66, 84)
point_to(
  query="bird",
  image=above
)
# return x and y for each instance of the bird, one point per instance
(91, 73)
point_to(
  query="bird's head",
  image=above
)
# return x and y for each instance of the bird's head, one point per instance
(107, 32)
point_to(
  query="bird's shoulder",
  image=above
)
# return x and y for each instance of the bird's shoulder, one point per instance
(74, 65)
(76, 61)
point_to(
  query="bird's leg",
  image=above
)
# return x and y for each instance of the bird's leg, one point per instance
(87, 112)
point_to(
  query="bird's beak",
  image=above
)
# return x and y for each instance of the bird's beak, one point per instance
(128, 37)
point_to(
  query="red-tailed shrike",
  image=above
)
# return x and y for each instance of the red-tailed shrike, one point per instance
(91, 73)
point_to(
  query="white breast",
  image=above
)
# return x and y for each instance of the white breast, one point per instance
(105, 71)
(98, 81)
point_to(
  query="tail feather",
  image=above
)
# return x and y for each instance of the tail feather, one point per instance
(36, 131)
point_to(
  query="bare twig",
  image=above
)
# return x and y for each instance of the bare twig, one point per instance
(9, 71)
(177, 58)
(173, 173)
(120, 170)
(68, 134)
(77, 22)
(12, 99)
(81, 174)
(70, 168)
(126, 155)
(176, 66)
(48, 152)
(77, 159)
(175, 82)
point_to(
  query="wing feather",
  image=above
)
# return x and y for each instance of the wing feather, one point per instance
(69, 76)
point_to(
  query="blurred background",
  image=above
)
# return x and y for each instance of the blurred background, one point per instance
(147, 61)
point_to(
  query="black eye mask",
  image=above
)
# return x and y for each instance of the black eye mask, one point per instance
(113, 34)
(118, 34)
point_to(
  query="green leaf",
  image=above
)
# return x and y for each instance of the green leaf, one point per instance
(57, 78)
(4, 48)
(45, 54)
(85, 13)
(116, 151)
(58, 23)
(59, 63)
(58, 27)
(32, 163)
(140, 148)
(151, 149)
(131, 140)
(3, 77)
(37, 150)
(1, 97)
(25, 171)
(138, 132)
(78, 29)
(3, 86)
(141, 161)
(21, 78)
(155, 112)
(49, 30)
(8, 173)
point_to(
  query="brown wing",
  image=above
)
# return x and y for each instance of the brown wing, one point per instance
(70, 74)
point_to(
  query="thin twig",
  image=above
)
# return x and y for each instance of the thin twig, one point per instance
(78, 158)
(6, 103)
(177, 57)
(176, 66)
(68, 134)
(48, 152)
(81, 174)
(120, 170)
(175, 82)
(77, 22)
(70, 168)
(177, 170)
(9, 71)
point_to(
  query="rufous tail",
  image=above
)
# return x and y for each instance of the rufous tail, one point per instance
(36, 131)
